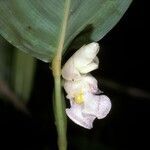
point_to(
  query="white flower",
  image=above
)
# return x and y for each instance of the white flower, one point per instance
(82, 89)
(75, 114)
(82, 62)
(87, 83)
(93, 106)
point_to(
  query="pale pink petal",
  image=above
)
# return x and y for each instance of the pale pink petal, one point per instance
(86, 83)
(104, 106)
(92, 84)
(75, 114)
(91, 104)
(97, 105)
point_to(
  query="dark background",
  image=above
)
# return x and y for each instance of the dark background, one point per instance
(124, 68)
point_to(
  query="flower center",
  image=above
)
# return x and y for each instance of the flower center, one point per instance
(79, 98)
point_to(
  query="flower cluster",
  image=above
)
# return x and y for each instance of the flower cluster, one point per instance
(82, 89)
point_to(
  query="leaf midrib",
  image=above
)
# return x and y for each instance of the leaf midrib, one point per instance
(63, 28)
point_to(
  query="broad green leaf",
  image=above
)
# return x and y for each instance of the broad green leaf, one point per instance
(34, 26)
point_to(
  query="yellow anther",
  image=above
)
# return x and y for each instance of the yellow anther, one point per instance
(79, 98)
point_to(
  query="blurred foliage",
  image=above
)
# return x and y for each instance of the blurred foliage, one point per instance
(16, 73)
(23, 74)
(6, 51)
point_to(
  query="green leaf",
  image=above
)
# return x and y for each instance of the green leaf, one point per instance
(6, 51)
(16, 75)
(35, 26)
(16, 70)
(23, 74)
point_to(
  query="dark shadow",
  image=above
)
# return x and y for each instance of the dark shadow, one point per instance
(84, 37)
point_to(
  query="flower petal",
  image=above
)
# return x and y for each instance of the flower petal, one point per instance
(90, 67)
(82, 61)
(75, 114)
(91, 104)
(85, 55)
(69, 72)
(104, 106)
(86, 83)
(97, 105)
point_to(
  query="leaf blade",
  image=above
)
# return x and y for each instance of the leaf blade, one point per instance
(34, 26)
(23, 74)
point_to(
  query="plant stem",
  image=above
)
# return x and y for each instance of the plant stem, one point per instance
(59, 109)
(60, 119)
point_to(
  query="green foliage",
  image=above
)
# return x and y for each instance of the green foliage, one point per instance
(34, 26)
(6, 51)
(16, 71)
(23, 74)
